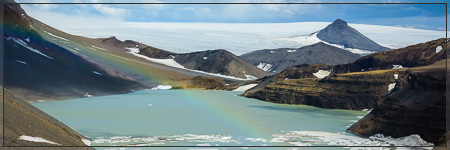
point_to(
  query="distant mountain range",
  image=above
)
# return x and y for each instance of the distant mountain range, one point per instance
(211, 61)
(336, 44)
(276, 60)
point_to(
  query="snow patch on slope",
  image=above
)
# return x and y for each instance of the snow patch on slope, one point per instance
(86, 142)
(55, 36)
(20, 42)
(162, 87)
(322, 73)
(438, 49)
(391, 86)
(245, 87)
(264, 66)
(36, 139)
(313, 39)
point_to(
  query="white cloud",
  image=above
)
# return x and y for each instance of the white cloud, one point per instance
(104, 9)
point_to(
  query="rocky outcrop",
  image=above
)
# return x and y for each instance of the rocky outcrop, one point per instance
(417, 105)
(276, 60)
(412, 56)
(21, 118)
(294, 72)
(355, 91)
(200, 82)
(340, 33)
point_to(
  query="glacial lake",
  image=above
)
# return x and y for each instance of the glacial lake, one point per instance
(203, 118)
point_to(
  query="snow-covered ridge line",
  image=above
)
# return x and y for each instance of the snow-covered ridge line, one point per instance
(173, 63)
(313, 39)
(36, 139)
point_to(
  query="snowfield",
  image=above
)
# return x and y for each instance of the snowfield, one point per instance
(240, 38)
(36, 139)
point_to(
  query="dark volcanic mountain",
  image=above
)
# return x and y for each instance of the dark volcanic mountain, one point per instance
(341, 34)
(276, 60)
(38, 69)
(212, 61)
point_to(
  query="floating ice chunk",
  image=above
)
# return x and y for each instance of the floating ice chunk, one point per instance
(395, 76)
(391, 86)
(256, 140)
(245, 87)
(359, 117)
(150, 105)
(86, 142)
(411, 140)
(321, 73)
(27, 39)
(22, 62)
(438, 49)
(36, 139)
(20, 42)
(204, 144)
(162, 87)
(397, 66)
(264, 66)
(205, 57)
(98, 73)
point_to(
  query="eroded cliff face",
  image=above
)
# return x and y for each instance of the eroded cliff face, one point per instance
(354, 91)
(415, 106)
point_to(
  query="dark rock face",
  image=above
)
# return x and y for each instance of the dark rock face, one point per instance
(355, 91)
(416, 106)
(201, 82)
(319, 53)
(60, 74)
(22, 118)
(412, 56)
(340, 33)
(219, 61)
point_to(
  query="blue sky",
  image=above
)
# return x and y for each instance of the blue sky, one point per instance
(420, 16)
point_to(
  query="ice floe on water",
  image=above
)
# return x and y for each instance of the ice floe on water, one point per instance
(245, 87)
(203, 140)
(36, 139)
(162, 87)
(438, 49)
(314, 138)
(256, 140)
(411, 140)
(367, 110)
(322, 73)
(88, 95)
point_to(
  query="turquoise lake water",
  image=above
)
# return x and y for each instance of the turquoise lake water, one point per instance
(202, 118)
